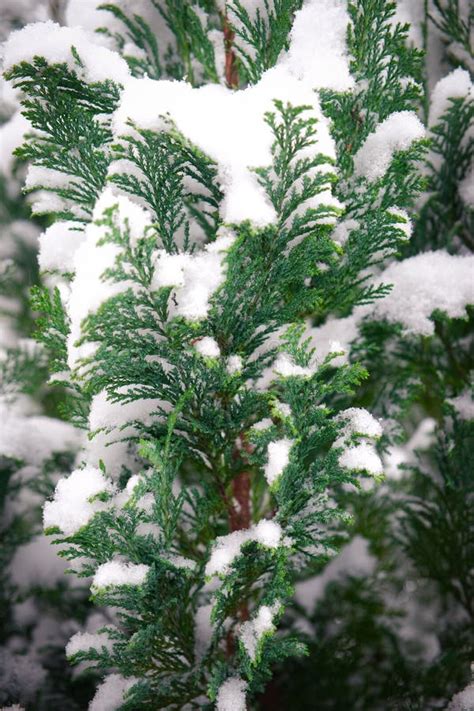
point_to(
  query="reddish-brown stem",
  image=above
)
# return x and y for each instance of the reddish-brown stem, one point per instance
(231, 73)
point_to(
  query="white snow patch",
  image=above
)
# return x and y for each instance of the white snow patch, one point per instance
(278, 457)
(83, 641)
(227, 548)
(396, 133)
(252, 631)
(75, 502)
(110, 694)
(208, 347)
(58, 245)
(115, 573)
(231, 695)
(50, 40)
(464, 405)
(456, 85)
(362, 457)
(318, 52)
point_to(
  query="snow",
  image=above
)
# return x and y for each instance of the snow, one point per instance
(421, 285)
(85, 14)
(227, 548)
(359, 421)
(405, 225)
(318, 53)
(37, 564)
(396, 133)
(336, 330)
(286, 367)
(35, 438)
(91, 260)
(74, 502)
(108, 415)
(422, 439)
(202, 274)
(110, 694)
(115, 573)
(234, 364)
(231, 695)
(464, 405)
(11, 137)
(208, 115)
(208, 347)
(362, 457)
(464, 700)
(58, 245)
(278, 457)
(353, 560)
(456, 85)
(343, 229)
(83, 641)
(252, 631)
(50, 40)
(169, 269)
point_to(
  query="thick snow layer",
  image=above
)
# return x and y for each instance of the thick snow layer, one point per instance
(83, 641)
(37, 563)
(463, 701)
(208, 347)
(11, 137)
(88, 289)
(318, 52)
(75, 502)
(58, 245)
(455, 85)
(359, 421)
(85, 14)
(227, 548)
(34, 439)
(211, 115)
(234, 364)
(396, 133)
(421, 285)
(50, 40)
(278, 457)
(253, 630)
(115, 573)
(110, 694)
(285, 366)
(362, 457)
(353, 560)
(464, 405)
(108, 415)
(231, 695)
(194, 276)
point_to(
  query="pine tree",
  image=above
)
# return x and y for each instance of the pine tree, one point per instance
(243, 313)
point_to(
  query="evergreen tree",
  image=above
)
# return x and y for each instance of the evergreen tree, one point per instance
(243, 311)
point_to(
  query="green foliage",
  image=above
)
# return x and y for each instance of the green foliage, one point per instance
(195, 483)
(444, 221)
(387, 72)
(261, 38)
(76, 148)
(188, 45)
